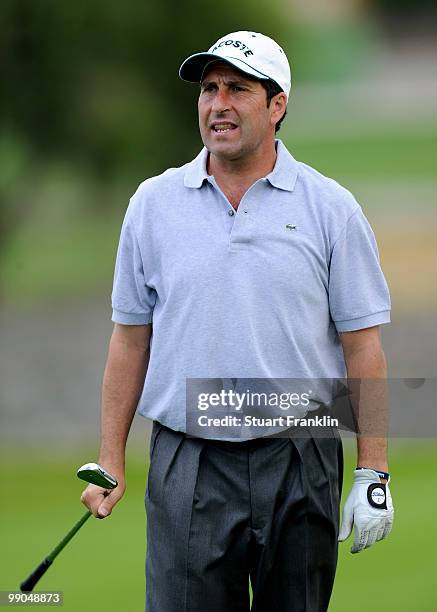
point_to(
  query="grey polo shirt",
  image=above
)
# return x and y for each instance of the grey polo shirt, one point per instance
(260, 292)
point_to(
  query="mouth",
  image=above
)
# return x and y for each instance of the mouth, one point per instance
(223, 127)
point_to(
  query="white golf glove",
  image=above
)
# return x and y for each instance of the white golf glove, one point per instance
(369, 507)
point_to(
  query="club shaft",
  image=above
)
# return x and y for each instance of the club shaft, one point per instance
(28, 584)
(55, 552)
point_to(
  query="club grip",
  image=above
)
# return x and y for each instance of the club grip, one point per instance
(29, 583)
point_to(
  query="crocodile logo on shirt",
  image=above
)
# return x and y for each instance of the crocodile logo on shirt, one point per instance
(290, 226)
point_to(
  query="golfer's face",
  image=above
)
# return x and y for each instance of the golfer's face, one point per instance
(234, 119)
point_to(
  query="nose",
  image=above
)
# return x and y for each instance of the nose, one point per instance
(221, 101)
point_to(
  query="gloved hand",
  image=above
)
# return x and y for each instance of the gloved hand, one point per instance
(369, 507)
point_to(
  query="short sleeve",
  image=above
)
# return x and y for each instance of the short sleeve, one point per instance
(358, 292)
(132, 299)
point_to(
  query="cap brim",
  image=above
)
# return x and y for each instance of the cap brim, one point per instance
(194, 66)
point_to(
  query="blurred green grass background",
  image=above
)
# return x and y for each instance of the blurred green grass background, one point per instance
(103, 566)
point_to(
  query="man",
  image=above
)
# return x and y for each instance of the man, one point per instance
(247, 265)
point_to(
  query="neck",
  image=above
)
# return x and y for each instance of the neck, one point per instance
(242, 173)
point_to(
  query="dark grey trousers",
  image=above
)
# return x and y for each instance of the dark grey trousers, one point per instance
(221, 512)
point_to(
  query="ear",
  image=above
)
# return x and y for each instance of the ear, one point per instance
(278, 104)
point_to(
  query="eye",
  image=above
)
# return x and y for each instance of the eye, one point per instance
(208, 87)
(238, 88)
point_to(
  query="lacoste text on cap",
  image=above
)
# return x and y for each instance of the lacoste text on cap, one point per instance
(250, 52)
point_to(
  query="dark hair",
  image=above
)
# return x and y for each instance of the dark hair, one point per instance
(272, 90)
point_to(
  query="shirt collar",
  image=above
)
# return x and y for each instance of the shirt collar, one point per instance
(196, 172)
(283, 176)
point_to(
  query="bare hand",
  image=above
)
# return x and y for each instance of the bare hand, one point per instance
(101, 501)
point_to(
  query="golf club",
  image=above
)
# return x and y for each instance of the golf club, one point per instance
(94, 474)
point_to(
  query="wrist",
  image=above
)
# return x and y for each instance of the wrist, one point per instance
(372, 461)
(112, 464)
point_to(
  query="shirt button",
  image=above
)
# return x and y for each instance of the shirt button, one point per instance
(231, 213)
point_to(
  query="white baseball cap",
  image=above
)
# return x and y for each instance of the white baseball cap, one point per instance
(250, 52)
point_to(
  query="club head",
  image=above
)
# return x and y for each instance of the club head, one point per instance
(95, 474)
